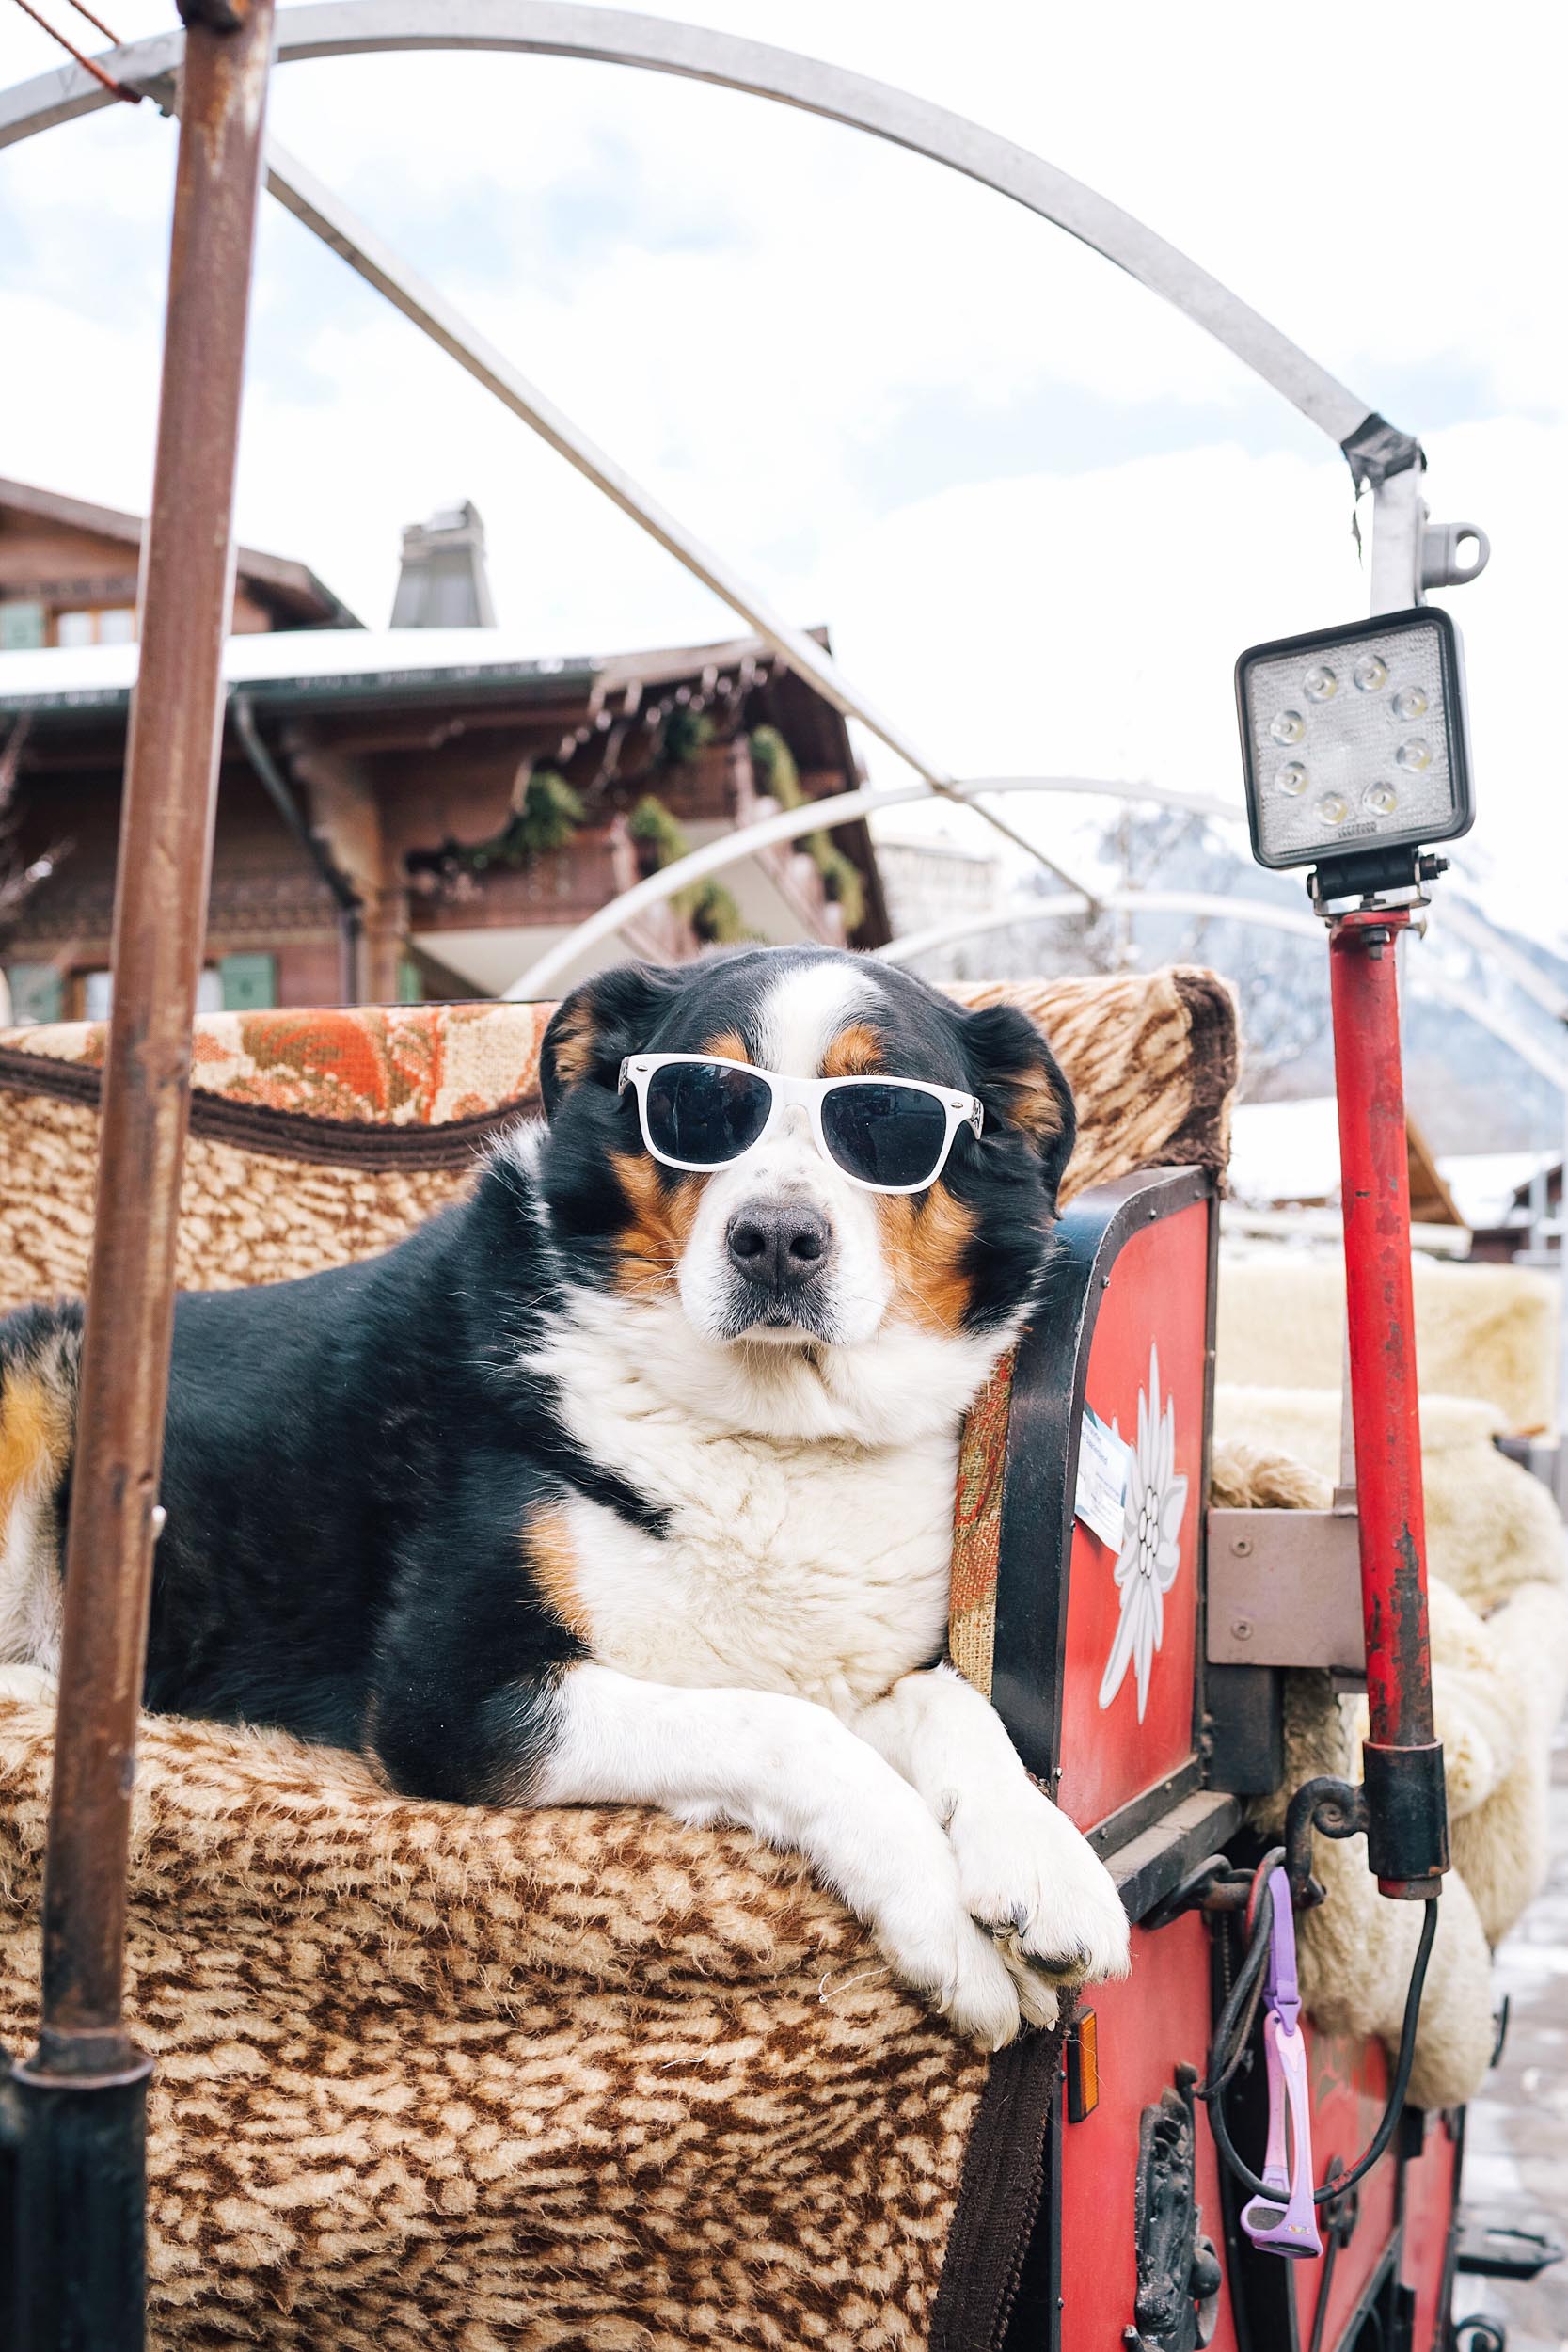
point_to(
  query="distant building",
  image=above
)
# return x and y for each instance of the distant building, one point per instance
(928, 882)
(67, 577)
(1506, 1197)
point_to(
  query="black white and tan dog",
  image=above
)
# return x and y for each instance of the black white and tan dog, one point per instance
(630, 1478)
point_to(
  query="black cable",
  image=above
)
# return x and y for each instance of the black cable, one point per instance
(1392, 2112)
(1234, 2029)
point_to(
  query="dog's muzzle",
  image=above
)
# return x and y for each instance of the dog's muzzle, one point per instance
(780, 1249)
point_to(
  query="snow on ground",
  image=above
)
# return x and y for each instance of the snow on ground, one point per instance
(1516, 2132)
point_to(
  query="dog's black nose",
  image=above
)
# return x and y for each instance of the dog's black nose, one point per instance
(778, 1246)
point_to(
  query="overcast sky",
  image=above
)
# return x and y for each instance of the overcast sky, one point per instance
(1041, 512)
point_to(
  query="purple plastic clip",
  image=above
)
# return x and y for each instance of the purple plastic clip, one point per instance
(1285, 2221)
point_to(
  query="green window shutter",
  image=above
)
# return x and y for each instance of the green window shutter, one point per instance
(21, 627)
(38, 992)
(249, 982)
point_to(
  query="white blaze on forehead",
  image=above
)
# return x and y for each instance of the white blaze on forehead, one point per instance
(803, 1011)
(806, 1008)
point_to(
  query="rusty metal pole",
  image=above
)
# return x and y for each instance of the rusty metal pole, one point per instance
(1407, 1837)
(81, 2098)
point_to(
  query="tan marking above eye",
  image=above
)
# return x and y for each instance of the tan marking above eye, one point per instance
(650, 1246)
(729, 1045)
(926, 1243)
(549, 1551)
(855, 1053)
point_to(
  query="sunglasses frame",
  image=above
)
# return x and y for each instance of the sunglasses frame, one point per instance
(962, 1110)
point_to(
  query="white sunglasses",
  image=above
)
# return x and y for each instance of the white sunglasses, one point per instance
(700, 1112)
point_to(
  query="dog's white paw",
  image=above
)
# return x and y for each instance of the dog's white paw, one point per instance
(33, 1684)
(934, 1947)
(1035, 1883)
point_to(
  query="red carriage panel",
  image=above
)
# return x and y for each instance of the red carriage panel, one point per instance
(1099, 1672)
(1132, 1609)
(1097, 1663)
(1145, 2029)
(1431, 2195)
(1349, 2086)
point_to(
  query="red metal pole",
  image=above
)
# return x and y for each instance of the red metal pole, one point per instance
(1407, 1832)
(80, 2228)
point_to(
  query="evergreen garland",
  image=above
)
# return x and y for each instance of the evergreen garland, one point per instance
(842, 878)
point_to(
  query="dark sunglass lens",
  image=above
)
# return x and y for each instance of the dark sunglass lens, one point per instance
(885, 1134)
(707, 1112)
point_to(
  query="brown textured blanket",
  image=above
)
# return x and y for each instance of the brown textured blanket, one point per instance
(437, 2076)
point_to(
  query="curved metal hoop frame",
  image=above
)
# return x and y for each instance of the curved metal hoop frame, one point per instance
(565, 29)
(1424, 978)
(1206, 905)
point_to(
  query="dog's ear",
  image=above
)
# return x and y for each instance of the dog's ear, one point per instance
(1018, 1080)
(591, 1033)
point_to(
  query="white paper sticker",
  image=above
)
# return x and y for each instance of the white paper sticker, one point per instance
(1102, 1497)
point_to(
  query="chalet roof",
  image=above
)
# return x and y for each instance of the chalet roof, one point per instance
(308, 668)
(292, 589)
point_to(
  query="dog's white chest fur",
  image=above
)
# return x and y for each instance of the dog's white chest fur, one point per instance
(810, 1504)
(819, 1569)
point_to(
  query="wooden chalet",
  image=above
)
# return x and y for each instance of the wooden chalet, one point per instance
(418, 813)
(67, 577)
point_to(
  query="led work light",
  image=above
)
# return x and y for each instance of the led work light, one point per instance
(1354, 746)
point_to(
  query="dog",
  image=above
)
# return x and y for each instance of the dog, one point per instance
(628, 1479)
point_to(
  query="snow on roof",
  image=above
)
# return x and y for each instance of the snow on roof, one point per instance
(1285, 1151)
(1282, 1152)
(1485, 1183)
(88, 673)
(357, 662)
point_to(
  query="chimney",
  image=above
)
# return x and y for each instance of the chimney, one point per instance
(443, 583)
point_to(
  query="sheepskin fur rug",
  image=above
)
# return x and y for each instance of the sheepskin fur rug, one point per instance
(1499, 1647)
(1486, 1331)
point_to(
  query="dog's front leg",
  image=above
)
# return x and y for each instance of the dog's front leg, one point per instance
(794, 1774)
(1026, 1873)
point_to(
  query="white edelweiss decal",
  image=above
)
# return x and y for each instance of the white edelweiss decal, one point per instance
(1150, 1550)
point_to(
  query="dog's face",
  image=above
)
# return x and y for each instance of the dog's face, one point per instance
(778, 1246)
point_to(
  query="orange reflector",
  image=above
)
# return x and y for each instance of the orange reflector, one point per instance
(1083, 2066)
